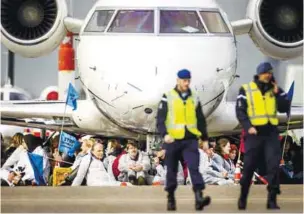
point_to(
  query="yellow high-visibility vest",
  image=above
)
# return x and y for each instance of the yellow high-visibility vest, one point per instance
(260, 109)
(181, 114)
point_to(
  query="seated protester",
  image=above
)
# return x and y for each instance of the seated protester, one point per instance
(232, 156)
(15, 142)
(54, 153)
(19, 162)
(297, 159)
(219, 160)
(212, 143)
(93, 168)
(210, 175)
(161, 170)
(286, 169)
(114, 152)
(134, 165)
(86, 145)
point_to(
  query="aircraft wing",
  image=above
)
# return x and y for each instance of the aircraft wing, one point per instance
(37, 114)
(86, 119)
(41, 114)
(224, 122)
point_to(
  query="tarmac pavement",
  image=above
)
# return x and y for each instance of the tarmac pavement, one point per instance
(140, 199)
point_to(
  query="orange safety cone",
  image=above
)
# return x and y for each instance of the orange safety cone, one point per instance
(156, 183)
(123, 184)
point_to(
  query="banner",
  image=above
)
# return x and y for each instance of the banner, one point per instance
(68, 144)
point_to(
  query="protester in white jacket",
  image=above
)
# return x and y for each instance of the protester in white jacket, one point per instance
(93, 168)
(19, 164)
(134, 165)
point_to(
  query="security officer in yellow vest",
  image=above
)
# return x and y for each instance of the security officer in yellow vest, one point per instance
(181, 122)
(256, 109)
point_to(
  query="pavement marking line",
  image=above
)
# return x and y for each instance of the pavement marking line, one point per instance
(137, 200)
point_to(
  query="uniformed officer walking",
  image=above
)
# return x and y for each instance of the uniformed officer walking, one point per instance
(256, 109)
(181, 122)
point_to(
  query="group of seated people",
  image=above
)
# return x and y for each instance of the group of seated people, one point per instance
(291, 170)
(111, 163)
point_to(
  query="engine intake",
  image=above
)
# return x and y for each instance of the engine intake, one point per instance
(277, 27)
(32, 28)
(282, 20)
(28, 20)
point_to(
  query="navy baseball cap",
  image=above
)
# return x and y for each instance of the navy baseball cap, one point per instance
(264, 67)
(184, 74)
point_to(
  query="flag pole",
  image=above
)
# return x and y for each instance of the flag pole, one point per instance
(62, 123)
(289, 96)
(285, 139)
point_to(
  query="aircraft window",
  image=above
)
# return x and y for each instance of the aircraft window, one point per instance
(17, 96)
(99, 21)
(214, 22)
(174, 21)
(133, 21)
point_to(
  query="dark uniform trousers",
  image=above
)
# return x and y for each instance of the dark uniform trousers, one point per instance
(254, 145)
(188, 149)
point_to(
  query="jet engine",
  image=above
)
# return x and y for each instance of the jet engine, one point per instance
(277, 27)
(32, 28)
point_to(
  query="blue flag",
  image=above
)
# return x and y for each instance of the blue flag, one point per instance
(37, 165)
(290, 91)
(289, 96)
(68, 144)
(72, 97)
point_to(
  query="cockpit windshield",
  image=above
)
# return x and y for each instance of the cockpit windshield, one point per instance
(170, 21)
(214, 22)
(133, 21)
(175, 21)
(99, 21)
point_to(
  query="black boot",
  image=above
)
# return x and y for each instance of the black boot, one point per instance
(201, 201)
(242, 202)
(171, 205)
(272, 201)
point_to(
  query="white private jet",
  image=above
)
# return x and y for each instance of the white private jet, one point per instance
(130, 51)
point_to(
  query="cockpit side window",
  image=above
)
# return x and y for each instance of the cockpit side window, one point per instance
(214, 22)
(133, 21)
(99, 21)
(176, 21)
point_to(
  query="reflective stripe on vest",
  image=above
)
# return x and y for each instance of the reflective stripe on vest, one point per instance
(260, 109)
(181, 114)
